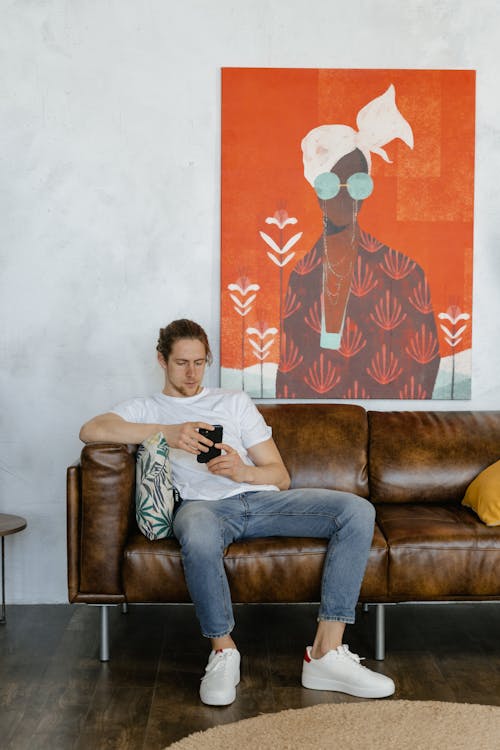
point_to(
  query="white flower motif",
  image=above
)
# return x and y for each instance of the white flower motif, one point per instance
(262, 334)
(453, 315)
(281, 219)
(242, 285)
(283, 262)
(286, 247)
(453, 342)
(243, 288)
(261, 349)
(242, 305)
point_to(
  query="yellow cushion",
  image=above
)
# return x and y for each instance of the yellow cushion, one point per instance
(483, 495)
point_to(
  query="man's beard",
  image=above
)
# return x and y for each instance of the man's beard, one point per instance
(184, 392)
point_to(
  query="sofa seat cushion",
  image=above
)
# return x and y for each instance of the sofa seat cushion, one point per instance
(439, 552)
(274, 569)
(289, 570)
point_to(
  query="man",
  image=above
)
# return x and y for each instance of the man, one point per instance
(243, 493)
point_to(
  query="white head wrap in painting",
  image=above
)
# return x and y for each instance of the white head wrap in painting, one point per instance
(379, 122)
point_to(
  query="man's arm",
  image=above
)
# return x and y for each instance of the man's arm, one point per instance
(112, 428)
(269, 467)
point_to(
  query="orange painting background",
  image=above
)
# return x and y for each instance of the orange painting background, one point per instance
(422, 203)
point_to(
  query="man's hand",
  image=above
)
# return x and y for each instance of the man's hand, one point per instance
(229, 465)
(186, 437)
(267, 467)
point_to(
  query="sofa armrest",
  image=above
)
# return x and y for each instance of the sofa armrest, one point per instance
(100, 515)
(73, 502)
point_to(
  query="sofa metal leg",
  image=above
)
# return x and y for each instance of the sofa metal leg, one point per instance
(380, 632)
(365, 607)
(124, 608)
(104, 643)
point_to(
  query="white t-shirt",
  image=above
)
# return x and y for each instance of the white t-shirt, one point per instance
(243, 427)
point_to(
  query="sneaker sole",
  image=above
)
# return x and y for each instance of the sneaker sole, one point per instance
(319, 683)
(220, 700)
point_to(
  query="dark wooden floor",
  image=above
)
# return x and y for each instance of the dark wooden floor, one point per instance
(56, 695)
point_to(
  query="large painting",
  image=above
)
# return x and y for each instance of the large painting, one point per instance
(347, 229)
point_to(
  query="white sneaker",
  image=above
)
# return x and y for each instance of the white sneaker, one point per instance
(340, 670)
(222, 674)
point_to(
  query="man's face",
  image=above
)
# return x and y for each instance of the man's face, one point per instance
(184, 368)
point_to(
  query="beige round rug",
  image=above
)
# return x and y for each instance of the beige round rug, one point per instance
(374, 725)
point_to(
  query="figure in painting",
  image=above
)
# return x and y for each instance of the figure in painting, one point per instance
(362, 324)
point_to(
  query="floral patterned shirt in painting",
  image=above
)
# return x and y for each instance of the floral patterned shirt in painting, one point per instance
(389, 346)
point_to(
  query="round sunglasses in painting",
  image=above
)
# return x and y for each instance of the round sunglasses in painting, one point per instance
(359, 185)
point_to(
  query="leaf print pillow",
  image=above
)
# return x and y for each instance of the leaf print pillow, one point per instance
(155, 496)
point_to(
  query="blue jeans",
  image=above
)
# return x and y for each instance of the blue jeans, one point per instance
(205, 528)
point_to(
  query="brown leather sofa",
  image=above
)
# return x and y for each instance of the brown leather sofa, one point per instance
(414, 466)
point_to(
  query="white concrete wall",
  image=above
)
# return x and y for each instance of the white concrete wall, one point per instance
(109, 203)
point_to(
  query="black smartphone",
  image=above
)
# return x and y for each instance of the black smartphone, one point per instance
(213, 452)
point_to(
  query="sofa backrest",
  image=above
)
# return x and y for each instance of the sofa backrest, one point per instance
(429, 456)
(322, 445)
